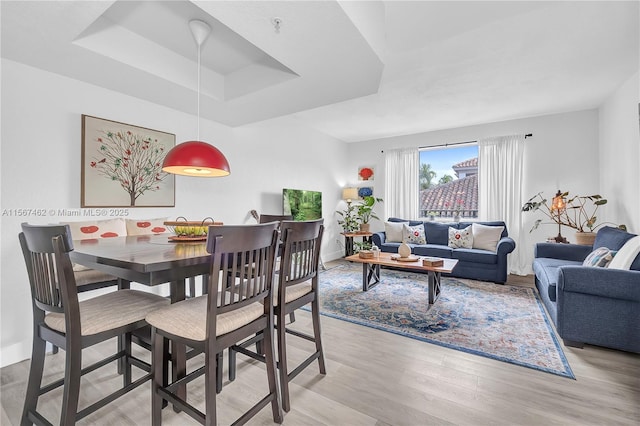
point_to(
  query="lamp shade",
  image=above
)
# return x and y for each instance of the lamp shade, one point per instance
(196, 158)
(349, 194)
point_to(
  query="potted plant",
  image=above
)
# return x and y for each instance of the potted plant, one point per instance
(349, 219)
(366, 213)
(577, 212)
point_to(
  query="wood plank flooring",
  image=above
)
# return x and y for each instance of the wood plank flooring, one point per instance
(378, 378)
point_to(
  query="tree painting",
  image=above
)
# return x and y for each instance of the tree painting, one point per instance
(122, 165)
(132, 160)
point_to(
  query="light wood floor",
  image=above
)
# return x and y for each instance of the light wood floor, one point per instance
(378, 378)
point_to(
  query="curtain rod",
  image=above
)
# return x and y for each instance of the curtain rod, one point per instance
(528, 135)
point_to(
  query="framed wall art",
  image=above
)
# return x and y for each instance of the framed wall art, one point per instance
(365, 173)
(122, 165)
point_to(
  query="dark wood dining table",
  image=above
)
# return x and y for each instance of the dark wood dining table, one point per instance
(150, 260)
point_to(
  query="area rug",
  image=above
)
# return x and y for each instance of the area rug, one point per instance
(501, 322)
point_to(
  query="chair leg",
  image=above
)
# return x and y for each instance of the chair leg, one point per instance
(38, 352)
(159, 351)
(315, 315)
(219, 362)
(272, 372)
(126, 376)
(72, 375)
(292, 317)
(210, 388)
(282, 361)
(232, 364)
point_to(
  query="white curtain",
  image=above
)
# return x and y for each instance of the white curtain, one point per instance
(401, 189)
(500, 162)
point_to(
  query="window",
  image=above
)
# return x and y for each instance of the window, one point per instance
(449, 182)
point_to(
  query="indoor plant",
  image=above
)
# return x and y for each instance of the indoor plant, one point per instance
(366, 213)
(577, 212)
(349, 219)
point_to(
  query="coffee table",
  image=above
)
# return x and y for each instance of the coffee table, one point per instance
(371, 270)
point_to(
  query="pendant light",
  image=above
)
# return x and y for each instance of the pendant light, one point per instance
(196, 158)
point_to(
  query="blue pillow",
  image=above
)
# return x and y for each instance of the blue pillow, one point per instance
(612, 238)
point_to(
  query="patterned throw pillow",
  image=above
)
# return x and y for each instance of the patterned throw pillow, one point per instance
(460, 238)
(146, 226)
(413, 234)
(600, 257)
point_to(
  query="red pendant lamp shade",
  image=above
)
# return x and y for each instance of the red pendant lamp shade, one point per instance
(195, 158)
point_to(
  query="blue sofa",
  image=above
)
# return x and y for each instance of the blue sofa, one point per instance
(476, 264)
(593, 305)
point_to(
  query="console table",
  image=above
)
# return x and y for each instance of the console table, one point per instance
(348, 240)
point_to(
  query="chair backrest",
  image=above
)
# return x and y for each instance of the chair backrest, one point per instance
(242, 266)
(46, 254)
(301, 253)
(267, 218)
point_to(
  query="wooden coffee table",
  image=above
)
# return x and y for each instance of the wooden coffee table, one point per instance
(371, 270)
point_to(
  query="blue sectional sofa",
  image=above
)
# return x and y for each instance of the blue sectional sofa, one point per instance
(593, 305)
(473, 263)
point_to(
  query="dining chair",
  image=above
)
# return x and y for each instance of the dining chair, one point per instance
(296, 286)
(238, 304)
(72, 325)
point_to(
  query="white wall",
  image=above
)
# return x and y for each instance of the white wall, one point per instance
(41, 142)
(619, 152)
(562, 154)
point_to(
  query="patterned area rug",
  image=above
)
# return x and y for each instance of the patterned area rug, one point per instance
(501, 322)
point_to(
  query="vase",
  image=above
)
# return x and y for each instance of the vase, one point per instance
(456, 218)
(585, 238)
(404, 250)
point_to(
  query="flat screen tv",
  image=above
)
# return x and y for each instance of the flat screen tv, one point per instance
(301, 204)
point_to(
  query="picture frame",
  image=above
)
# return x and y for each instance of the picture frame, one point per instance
(366, 173)
(122, 165)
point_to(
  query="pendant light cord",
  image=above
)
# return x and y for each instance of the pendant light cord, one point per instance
(199, 49)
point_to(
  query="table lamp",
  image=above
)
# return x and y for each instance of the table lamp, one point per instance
(558, 205)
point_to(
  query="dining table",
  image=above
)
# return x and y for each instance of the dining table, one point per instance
(150, 260)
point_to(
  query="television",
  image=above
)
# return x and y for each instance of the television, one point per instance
(301, 204)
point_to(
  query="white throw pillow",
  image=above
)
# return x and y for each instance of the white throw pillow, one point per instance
(413, 234)
(626, 255)
(460, 238)
(146, 226)
(96, 229)
(393, 232)
(486, 237)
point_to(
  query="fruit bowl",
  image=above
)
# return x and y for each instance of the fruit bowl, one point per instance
(186, 230)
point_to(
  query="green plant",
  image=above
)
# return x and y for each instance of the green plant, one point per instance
(358, 246)
(349, 221)
(365, 209)
(578, 212)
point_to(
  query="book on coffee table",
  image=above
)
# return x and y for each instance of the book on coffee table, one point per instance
(432, 261)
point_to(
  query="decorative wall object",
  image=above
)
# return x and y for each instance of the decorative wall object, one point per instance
(122, 165)
(365, 173)
(365, 191)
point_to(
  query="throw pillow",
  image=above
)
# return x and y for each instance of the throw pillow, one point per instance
(600, 257)
(96, 229)
(626, 255)
(486, 237)
(413, 234)
(393, 232)
(460, 238)
(146, 226)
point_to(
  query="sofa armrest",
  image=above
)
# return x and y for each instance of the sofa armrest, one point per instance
(603, 282)
(574, 252)
(378, 238)
(505, 246)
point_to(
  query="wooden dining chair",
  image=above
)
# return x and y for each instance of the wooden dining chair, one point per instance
(297, 285)
(238, 304)
(62, 320)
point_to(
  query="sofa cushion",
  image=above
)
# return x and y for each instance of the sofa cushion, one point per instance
(460, 238)
(626, 255)
(436, 233)
(432, 250)
(413, 234)
(600, 257)
(475, 256)
(393, 231)
(611, 238)
(546, 270)
(486, 237)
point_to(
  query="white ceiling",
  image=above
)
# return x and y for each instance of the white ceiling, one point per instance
(354, 70)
